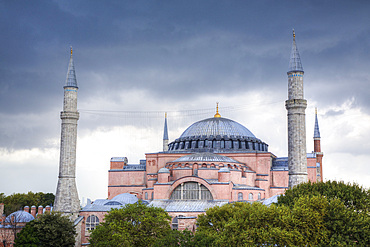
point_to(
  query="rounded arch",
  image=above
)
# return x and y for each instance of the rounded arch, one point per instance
(191, 179)
(91, 222)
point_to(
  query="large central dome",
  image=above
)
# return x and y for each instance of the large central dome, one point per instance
(217, 127)
(217, 135)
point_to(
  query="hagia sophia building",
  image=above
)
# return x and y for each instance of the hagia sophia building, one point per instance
(215, 161)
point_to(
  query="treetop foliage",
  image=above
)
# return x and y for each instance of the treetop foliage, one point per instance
(352, 195)
(132, 225)
(18, 201)
(50, 229)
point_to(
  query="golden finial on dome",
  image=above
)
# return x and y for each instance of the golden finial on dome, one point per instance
(315, 110)
(165, 115)
(293, 34)
(71, 50)
(217, 114)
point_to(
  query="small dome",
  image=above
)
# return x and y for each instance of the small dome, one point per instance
(224, 169)
(125, 198)
(20, 217)
(164, 170)
(205, 157)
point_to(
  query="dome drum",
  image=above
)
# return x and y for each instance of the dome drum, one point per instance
(217, 144)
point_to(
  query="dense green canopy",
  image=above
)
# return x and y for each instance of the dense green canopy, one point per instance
(318, 214)
(133, 225)
(17, 201)
(47, 230)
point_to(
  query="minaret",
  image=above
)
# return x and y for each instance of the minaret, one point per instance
(66, 198)
(317, 147)
(165, 134)
(296, 106)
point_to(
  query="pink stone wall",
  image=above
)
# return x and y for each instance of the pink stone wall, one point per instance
(222, 191)
(235, 176)
(186, 223)
(126, 178)
(208, 174)
(250, 178)
(84, 233)
(311, 169)
(280, 179)
(117, 165)
(179, 173)
(114, 191)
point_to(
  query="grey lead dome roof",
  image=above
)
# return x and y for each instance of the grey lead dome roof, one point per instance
(20, 216)
(217, 126)
(217, 135)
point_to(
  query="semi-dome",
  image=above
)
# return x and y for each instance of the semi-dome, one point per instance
(205, 157)
(218, 135)
(125, 198)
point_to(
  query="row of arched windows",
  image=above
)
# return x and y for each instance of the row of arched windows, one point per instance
(250, 196)
(191, 191)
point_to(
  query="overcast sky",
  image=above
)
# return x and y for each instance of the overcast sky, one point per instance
(135, 60)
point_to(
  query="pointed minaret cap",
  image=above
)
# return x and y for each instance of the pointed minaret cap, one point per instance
(71, 74)
(317, 130)
(165, 132)
(295, 64)
(217, 114)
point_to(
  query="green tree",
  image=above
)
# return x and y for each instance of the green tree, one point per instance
(346, 218)
(133, 225)
(244, 224)
(17, 201)
(47, 230)
(175, 238)
(352, 195)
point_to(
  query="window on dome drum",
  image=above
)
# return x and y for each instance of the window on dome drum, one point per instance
(240, 196)
(250, 196)
(91, 222)
(152, 195)
(146, 195)
(113, 203)
(191, 191)
(259, 196)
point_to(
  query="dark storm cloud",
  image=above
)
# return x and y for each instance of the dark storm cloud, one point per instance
(174, 50)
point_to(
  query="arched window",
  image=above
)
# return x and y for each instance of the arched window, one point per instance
(240, 196)
(191, 191)
(250, 196)
(91, 222)
(175, 223)
(259, 196)
(146, 195)
(152, 195)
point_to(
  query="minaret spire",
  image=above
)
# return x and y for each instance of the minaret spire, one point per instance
(317, 148)
(317, 130)
(165, 134)
(296, 106)
(66, 198)
(71, 80)
(295, 64)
